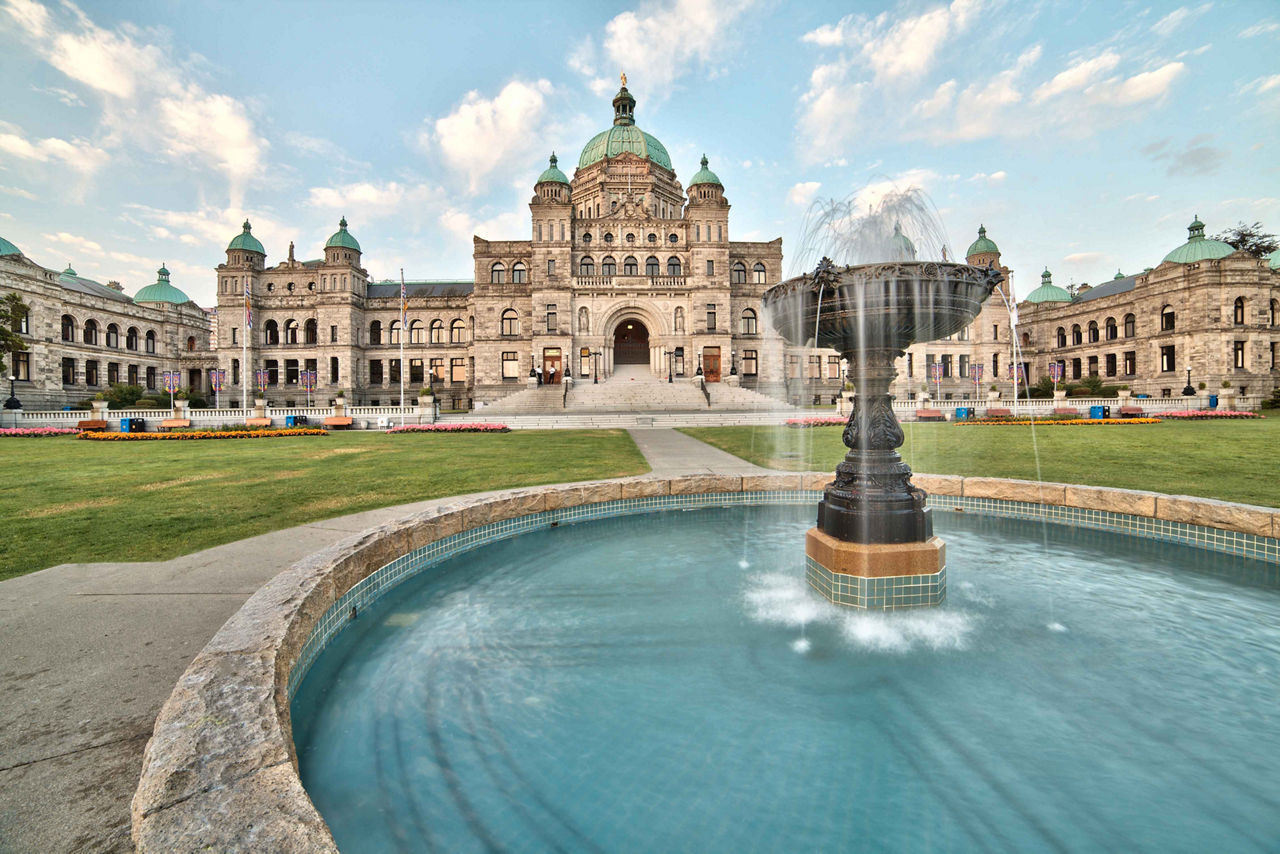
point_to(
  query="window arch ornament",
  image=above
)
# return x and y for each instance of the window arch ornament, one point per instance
(291, 331)
(1093, 331)
(1061, 336)
(518, 273)
(437, 331)
(270, 332)
(90, 331)
(673, 266)
(738, 273)
(497, 273)
(1237, 314)
(629, 266)
(748, 323)
(608, 266)
(375, 332)
(68, 328)
(1130, 326)
(587, 266)
(510, 322)
(652, 267)
(310, 332)
(758, 273)
(457, 332)
(1168, 319)
(393, 332)
(1112, 333)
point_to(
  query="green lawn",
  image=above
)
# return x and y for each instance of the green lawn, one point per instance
(1231, 460)
(67, 500)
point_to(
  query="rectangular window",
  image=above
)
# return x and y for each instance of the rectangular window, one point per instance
(68, 371)
(995, 365)
(273, 372)
(333, 335)
(437, 370)
(697, 232)
(235, 372)
(1111, 364)
(1273, 355)
(393, 370)
(679, 360)
(22, 366)
(416, 374)
(963, 334)
(1237, 356)
(333, 370)
(234, 332)
(711, 317)
(457, 371)
(911, 364)
(964, 366)
(793, 367)
(151, 378)
(719, 232)
(375, 372)
(291, 372)
(91, 372)
(995, 332)
(711, 267)
(552, 325)
(1093, 366)
(1131, 363)
(539, 232)
(815, 367)
(1168, 358)
(750, 363)
(551, 267)
(833, 367)
(510, 367)
(1077, 369)
(133, 375)
(310, 365)
(113, 373)
(946, 365)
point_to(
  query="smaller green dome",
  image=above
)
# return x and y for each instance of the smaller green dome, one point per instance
(161, 290)
(553, 173)
(69, 271)
(1048, 291)
(7, 248)
(901, 247)
(1198, 247)
(246, 241)
(342, 238)
(705, 175)
(1118, 275)
(1273, 259)
(982, 245)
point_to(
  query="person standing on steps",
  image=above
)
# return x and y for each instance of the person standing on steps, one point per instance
(551, 371)
(539, 370)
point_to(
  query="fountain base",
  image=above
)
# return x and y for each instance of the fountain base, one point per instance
(876, 576)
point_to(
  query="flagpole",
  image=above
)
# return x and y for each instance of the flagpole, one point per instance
(244, 359)
(404, 330)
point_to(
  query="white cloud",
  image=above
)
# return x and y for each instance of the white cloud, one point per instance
(829, 113)
(1146, 86)
(1170, 22)
(19, 192)
(365, 201)
(462, 225)
(1261, 28)
(75, 241)
(802, 194)
(1082, 258)
(985, 178)
(872, 194)
(79, 154)
(979, 111)
(1077, 77)
(66, 96)
(483, 134)
(937, 103)
(1262, 85)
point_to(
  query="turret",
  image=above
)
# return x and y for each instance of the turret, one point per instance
(342, 247)
(245, 250)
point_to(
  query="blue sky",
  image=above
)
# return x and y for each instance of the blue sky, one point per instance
(1084, 135)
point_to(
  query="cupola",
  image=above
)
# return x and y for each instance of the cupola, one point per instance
(342, 247)
(245, 250)
(1048, 291)
(1198, 247)
(161, 290)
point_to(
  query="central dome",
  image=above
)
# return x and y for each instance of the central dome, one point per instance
(624, 136)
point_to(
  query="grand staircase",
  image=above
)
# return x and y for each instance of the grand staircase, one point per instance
(633, 389)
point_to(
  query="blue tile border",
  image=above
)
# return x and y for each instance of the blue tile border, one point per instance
(368, 590)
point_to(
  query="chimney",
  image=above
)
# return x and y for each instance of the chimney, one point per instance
(115, 286)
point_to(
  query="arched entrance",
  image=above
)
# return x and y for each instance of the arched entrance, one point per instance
(631, 343)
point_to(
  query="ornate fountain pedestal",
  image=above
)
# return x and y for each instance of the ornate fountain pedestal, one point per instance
(873, 546)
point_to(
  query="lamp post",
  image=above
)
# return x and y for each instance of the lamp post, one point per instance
(1189, 390)
(12, 403)
(671, 359)
(733, 363)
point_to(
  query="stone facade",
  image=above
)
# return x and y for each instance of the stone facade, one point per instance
(82, 336)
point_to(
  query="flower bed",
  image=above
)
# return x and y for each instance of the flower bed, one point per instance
(478, 427)
(202, 434)
(37, 432)
(817, 421)
(1060, 422)
(1199, 414)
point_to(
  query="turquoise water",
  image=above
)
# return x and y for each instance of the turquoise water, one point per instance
(667, 683)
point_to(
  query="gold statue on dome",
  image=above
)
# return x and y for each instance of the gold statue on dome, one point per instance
(624, 79)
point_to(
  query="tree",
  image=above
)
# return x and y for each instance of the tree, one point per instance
(1250, 238)
(13, 313)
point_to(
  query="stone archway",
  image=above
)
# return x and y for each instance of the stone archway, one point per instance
(631, 342)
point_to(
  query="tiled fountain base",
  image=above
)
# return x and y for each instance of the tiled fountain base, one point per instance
(890, 593)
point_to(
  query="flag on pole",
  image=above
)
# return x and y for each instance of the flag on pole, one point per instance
(248, 310)
(404, 302)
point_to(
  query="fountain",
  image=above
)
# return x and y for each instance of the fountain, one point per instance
(873, 546)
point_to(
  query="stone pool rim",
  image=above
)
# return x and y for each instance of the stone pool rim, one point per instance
(220, 769)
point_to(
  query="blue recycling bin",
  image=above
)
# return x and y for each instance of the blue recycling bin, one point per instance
(124, 425)
(1097, 412)
(133, 425)
(295, 420)
(963, 413)
(1213, 401)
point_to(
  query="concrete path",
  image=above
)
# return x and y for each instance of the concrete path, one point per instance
(91, 652)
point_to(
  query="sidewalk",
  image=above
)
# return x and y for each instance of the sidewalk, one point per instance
(91, 652)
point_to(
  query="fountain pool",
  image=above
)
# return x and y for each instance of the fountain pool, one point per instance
(667, 681)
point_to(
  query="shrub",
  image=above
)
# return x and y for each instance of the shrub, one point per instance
(36, 432)
(203, 434)
(1226, 383)
(120, 396)
(451, 428)
(1272, 402)
(144, 403)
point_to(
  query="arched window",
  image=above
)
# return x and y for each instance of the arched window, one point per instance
(309, 332)
(673, 266)
(151, 341)
(608, 267)
(629, 266)
(375, 332)
(498, 273)
(131, 338)
(678, 320)
(1076, 337)
(91, 332)
(518, 273)
(1167, 319)
(291, 331)
(457, 332)
(417, 331)
(584, 321)
(68, 328)
(1130, 326)
(586, 267)
(191, 343)
(1112, 334)
(1093, 332)
(437, 331)
(1237, 317)
(738, 273)
(1026, 339)
(652, 267)
(747, 326)
(758, 273)
(510, 322)
(113, 336)
(1062, 337)
(393, 332)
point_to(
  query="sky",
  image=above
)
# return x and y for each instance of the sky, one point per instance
(1085, 136)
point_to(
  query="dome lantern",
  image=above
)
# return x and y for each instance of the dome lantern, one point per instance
(623, 137)
(162, 290)
(1198, 247)
(983, 245)
(1048, 291)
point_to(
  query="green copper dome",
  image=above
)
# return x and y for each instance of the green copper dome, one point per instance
(624, 136)
(1198, 247)
(705, 175)
(901, 247)
(982, 244)
(342, 238)
(246, 241)
(7, 248)
(1118, 275)
(553, 173)
(1273, 258)
(1048, 291)
(161, 290)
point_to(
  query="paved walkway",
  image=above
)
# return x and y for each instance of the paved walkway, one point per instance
(91, 652)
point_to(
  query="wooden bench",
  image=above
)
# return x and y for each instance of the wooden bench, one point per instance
(258, 422)
(170, 423)
(338, 421)
(1131, 412)
(1066, 410)
(998, 412)
(91, 425)
(930, 415)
